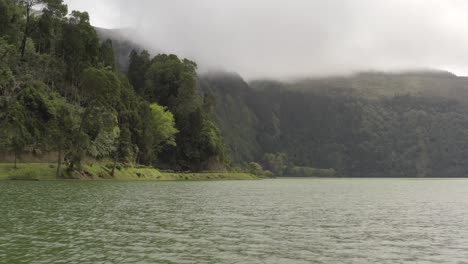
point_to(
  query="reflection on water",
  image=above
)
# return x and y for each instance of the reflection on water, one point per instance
(270, 221)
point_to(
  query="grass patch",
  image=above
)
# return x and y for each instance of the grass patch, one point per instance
(27, 171)
(207, 176)
(97, 171)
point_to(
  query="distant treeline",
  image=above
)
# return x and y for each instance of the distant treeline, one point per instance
(369, 125)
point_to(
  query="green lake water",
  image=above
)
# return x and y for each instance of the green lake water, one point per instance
(269, 221)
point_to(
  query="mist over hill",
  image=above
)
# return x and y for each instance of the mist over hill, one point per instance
(368, 124)
(122, 44)
(372, 124)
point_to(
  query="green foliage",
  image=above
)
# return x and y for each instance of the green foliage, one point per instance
(255, 168)
(102, 130)
(172, 83)
(310, 172)
(80, 47)
(106, 54)
(163, 124)
(415, 130)
(138, 66)
(276, 163)
(7, 80)
(235, 118)
(100, 87)
(9, 24)
(61, 92)
(15, 134)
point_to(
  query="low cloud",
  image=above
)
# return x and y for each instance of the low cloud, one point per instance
(284, 39)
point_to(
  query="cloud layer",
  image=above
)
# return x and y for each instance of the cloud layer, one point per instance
(291, 38)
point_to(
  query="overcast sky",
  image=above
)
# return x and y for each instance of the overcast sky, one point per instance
(291, 38)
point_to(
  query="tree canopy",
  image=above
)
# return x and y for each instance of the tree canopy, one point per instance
(61, 92)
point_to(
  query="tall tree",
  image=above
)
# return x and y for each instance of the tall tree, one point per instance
(137, 68)
(163, 126)
(79, 49)
(51, 8)
(98, 129)
(62, 130)
(9, 21)
(106, 54)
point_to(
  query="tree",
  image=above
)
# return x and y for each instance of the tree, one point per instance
(98, 127)
(52, 7)
(137, 68)
(168, 79)
(79, 49)
(47, 31)
(130, 122)
(255, 168)
(15, 135)
(9, 21)
(106, 54)
(100, 87)
(7, 81)
(276, 162)
(62, 130)
(27, 116)
(163, 125)
(172, 83)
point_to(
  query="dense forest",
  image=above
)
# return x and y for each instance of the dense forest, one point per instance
(412, 124)
(84, 93)
(62, 92)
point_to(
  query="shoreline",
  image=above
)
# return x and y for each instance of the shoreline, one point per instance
(97, 172)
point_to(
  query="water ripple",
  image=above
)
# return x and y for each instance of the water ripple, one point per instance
(271, 221)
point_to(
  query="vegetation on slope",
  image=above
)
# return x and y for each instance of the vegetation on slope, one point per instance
(62, 92)
(368, 125)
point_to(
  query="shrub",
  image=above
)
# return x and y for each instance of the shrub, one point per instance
(296, 171)
(255, 169)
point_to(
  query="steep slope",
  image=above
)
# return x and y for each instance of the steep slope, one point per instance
(237, 120)
(407, 124)
(355, 125)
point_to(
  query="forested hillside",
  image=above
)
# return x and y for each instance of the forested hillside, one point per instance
(371, 124)
(61, 92)
(81, 93)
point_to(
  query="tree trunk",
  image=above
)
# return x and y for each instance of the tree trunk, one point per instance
(26, 31)
(77, 156)
(114, 165)
(16, 157)
(59, 163)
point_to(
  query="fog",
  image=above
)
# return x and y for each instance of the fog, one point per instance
(292, 38)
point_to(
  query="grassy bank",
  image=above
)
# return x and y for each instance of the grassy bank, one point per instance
(28, 171)
(47, 171)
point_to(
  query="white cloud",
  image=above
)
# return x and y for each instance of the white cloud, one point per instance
(268, 38)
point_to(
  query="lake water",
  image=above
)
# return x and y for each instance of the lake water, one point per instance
(270, 221)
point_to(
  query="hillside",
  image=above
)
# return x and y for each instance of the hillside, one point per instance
(64, 91)
(378, 84)
(399, 125)
(370, 124)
